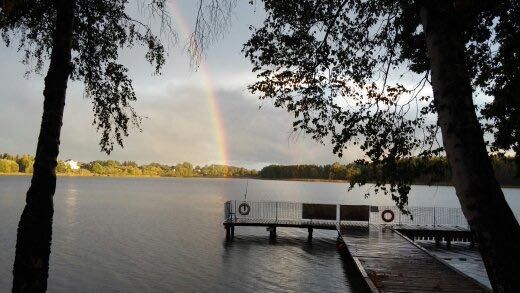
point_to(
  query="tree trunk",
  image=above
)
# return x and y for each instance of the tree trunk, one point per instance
(33, 241)
(479, 193)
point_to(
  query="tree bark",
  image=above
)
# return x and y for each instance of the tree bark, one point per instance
(33, 243)
(479, 193)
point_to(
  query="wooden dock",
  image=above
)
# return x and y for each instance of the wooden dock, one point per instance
(378, 241)
(390, 262)
(439, 224)
(289, 214)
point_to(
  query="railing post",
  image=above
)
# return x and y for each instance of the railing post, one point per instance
(369, 214)
(226, 212)
(338, 216)
(276, 212)
(434, 218)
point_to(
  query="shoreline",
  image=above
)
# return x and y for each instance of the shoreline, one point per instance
(310, 180)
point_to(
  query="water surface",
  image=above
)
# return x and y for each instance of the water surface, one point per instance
(166, 234)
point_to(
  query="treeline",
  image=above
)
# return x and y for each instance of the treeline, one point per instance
(335, 171)
(130, 168)
(16, 164)
(423, 171)
(24, 164)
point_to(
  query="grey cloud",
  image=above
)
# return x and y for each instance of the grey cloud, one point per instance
(180, 125)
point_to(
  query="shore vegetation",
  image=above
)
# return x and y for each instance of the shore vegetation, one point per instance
(433, 171)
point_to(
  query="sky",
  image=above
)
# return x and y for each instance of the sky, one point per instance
(180, 124)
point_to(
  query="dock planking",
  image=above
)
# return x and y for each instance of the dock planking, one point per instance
(460, 256)
(392, 263)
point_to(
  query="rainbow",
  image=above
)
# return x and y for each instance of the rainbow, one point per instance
(211, 95)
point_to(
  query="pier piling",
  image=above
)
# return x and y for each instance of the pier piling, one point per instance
(272, 232)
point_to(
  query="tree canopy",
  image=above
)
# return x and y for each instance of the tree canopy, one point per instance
(101, 30)
(355, 72)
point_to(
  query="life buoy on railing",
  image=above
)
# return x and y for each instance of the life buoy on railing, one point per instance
(388, 216)
(244, 209)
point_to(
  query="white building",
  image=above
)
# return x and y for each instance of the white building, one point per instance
(72, 164)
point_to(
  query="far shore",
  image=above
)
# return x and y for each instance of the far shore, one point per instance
(443, 184)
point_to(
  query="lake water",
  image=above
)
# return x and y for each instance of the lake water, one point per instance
(166, 234)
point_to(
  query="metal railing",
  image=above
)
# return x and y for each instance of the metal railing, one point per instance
(272, 210)
(428, 216)
(276, 210)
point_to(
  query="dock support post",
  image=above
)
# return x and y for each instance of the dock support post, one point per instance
(232, 232)
(310, 234)
(272, 232)
(228, 233)
(437, 241)
(448, 242)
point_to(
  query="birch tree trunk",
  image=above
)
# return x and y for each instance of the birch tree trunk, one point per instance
(33, 241)
(480, 195)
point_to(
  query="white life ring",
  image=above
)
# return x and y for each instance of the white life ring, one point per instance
(244, 209)
(388, 219)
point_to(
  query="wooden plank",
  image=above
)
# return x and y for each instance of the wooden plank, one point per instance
(365, 276)
(395, 264)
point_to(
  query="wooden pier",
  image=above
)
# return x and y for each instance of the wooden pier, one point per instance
(296, 215)
(378, 241)
(439, 224)
(388, 261)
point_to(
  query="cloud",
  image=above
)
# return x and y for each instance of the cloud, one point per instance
(180, 127)
(180, 124)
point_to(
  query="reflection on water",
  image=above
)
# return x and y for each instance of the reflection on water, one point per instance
(135, 235)
(71, 207)
(290, 263)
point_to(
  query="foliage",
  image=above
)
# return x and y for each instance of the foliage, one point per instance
(500, 75)
(8, 166)
(26, 163)
(341, 68)
(427, 171)
(101, 30)
(63, 168)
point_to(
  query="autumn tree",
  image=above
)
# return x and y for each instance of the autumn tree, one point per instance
(8, 166)
(78, 40)
(26, 163)
(358, 73)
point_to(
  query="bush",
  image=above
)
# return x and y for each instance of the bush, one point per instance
(8, 166)
(25, 164)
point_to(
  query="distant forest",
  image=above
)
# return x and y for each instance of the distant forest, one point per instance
(24, 164)
(427, 171)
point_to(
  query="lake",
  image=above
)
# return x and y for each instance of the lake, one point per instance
(166, 234)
